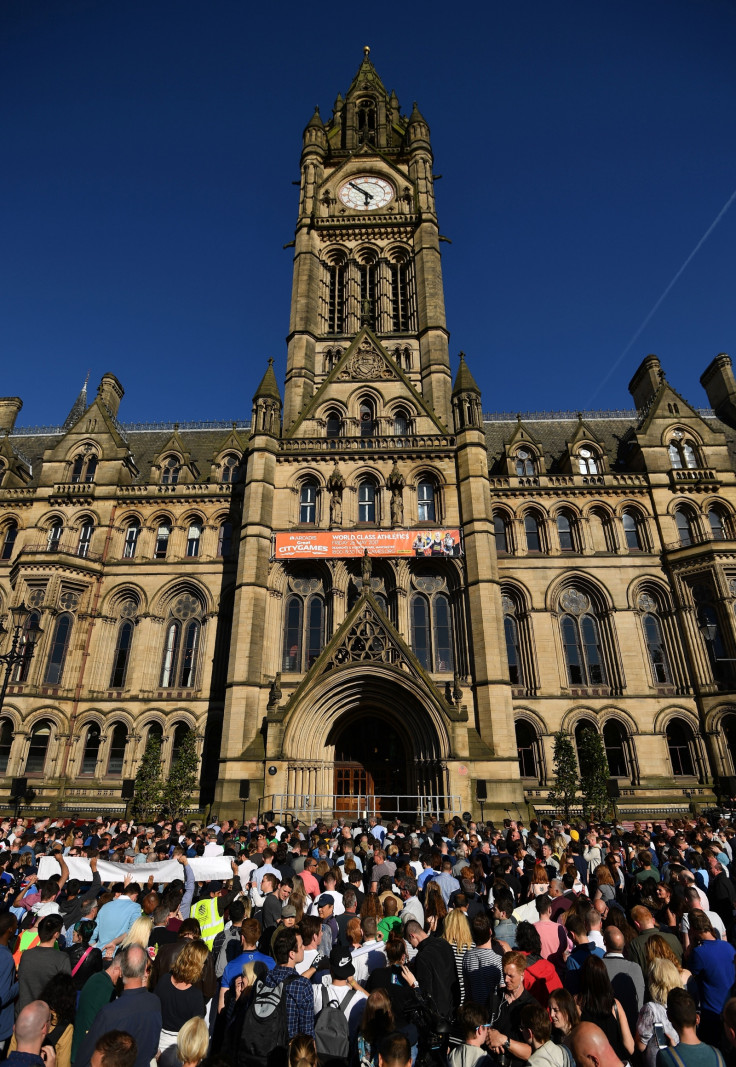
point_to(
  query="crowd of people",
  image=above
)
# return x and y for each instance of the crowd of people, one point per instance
(378, 944)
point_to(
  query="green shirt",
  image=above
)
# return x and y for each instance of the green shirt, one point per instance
(96, 992)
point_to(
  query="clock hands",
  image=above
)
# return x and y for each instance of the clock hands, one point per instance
(368, 196)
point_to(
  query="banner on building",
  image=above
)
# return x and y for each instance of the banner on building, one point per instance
(341, 544)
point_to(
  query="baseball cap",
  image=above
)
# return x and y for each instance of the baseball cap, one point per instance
(288, 911)
(341, 963)
(324, 900)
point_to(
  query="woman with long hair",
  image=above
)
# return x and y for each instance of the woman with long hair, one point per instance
(539, 882)
(563, 1013)
(84, 958)
(371, 908)
(378, 1021)
(657, 948)
(597, 1004)
(138, 934)
(457, 934)
(177, 990)
(435, 909)
(606, 889)
(617, 918)
(61, 997)
(299, 898)
(662, 975)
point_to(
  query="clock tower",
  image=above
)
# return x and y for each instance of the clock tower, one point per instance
(367, 601)
(367, 246)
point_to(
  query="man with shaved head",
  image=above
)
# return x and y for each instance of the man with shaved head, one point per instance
(590, 1047)
(31, 1028)
(626, 976)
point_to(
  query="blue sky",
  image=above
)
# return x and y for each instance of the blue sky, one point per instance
(149, 150)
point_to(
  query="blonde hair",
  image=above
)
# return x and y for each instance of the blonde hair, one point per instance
(139, 933)
(188, 965)
(457, 929)
(193, 1041)
(249, 973)
(302, 1051)
(662, 976)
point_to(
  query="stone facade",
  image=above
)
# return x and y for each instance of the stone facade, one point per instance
(593, 580)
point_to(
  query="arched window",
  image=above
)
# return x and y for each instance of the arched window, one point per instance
(335, 298)
(171, 652)
(170, 471)
(442, 620)
(189, 654)
(20, 673)
(225, 539)
(308, 503)
(367, 280)
(531, 529)
(630, 520)
(194, 535)
(682, 454)
(6, 743)
(89, 474)
(365, 113)
(565, 531)
(420, 629)
(500, 532)
(366, 502)
(511, 632)
(524, 463)
(77, 468)
(132, 533)
(588, 461)
(59, 647)
(85, 537)
(582, 728)
(681, 745)
(710, 627)
(367, 419)
(122, 655)
(38, 748)
(11, 533)
(116, 752)
(162, 539)
(656, 649)
(54, 536)
(91, 750)
(293, 634)
(717, 524)
(685, 528)
(527, 744)
(155, 730)
(304, 631)
(401, 285)
(401, 422)
(602, 530)
(333, 424)
(182, 730)
(581, 640)
(229, 469)
(426, 501)
(615, 744)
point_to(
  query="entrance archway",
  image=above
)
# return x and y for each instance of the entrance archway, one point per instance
(370, 762)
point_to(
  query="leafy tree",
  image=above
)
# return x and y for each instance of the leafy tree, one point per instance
(594, 774)
(565, 769)
(182, 779)
(148, 783)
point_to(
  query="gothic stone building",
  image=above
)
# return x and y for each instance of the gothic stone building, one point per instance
(369, 596)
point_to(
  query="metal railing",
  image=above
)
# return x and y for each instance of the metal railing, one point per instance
(311, 806)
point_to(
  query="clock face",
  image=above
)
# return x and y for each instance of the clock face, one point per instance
(366, 193)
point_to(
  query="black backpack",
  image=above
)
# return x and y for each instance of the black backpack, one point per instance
(264, 1038)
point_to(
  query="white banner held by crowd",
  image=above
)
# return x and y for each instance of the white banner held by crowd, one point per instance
(205, 869)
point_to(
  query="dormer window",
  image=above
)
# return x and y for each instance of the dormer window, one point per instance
(401, 423)
(170, 471)
(84, 468)
(682, 453)
(524, 463)
(588, 461)
(367, 420)
(229, 469)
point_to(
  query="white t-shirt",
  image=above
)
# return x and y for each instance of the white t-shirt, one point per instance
(337, 898)
(366, 958)
(715, 921)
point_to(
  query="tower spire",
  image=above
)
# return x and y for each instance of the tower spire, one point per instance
(79, 407)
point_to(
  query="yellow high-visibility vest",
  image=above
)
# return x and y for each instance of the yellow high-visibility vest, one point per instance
(210, 921)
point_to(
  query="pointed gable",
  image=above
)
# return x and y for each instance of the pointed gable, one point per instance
(367, 362)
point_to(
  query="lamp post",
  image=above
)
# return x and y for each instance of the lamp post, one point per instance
(22, 643)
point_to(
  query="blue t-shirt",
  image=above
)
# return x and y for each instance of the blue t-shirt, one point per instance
(235, 968)
(713, 970)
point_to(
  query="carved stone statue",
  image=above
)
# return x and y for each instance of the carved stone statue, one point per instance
(397, 508)
(335, 508)
(365, 568)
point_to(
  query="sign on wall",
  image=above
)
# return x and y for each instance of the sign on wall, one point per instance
(341, 544)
